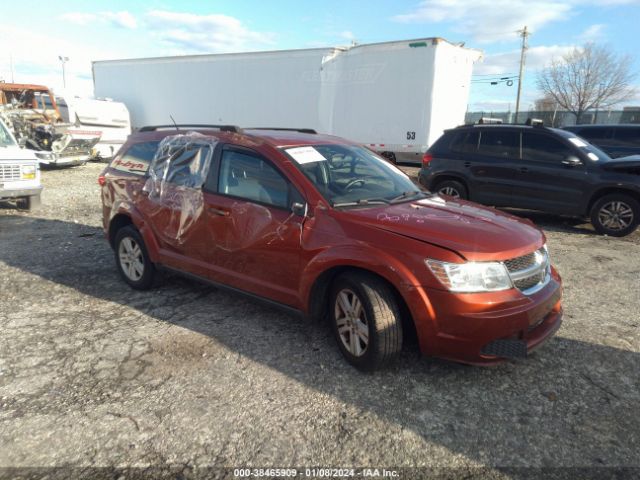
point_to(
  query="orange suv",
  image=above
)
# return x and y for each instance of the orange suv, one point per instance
(325, 227)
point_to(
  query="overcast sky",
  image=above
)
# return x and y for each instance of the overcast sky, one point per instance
(34, 34)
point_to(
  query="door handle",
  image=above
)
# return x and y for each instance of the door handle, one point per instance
(524, 169)
(467, 164)
(218, 211)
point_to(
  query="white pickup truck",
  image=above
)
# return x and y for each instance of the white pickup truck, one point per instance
(19, 172)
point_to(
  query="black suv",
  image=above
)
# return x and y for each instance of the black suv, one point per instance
(537, 168)
(616, 140)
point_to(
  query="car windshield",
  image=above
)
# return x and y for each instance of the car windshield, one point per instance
(593, 152)
(353, 176)
(6, 140)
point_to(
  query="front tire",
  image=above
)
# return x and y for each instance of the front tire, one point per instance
(28, 203)
(366, 320)
(452, 188)
(615, 215)
(132, 259)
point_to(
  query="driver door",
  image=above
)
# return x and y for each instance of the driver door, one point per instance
(254, 238)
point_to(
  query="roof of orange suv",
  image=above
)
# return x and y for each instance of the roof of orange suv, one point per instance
(274, 137)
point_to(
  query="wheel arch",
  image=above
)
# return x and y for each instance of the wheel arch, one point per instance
(118, 222)
(320, 290)
(443, 177)
(608, 191)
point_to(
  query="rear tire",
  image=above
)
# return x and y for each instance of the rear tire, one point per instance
(452, 188)
(366, 320)
(390, 156)
(616, 215)
(132, 259)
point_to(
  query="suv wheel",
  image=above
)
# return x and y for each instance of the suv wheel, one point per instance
(452, 188)
(366, 320)
(132, 259)
(616, 215)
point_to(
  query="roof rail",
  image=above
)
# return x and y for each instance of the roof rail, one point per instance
(301, 130)
(534, 122)
(222, 128)
(484, 120)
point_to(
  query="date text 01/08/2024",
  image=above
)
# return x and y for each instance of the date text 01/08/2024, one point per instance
(315, 472)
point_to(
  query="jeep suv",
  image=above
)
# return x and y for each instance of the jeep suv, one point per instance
(19, 172)
(324, 227)
(537, 168)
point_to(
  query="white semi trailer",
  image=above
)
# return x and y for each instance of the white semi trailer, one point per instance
(395, 97)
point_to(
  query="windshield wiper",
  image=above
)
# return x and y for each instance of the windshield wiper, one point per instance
(405, 195)
(362, 202)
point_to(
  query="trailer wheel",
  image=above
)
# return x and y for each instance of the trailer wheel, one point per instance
(390, 156)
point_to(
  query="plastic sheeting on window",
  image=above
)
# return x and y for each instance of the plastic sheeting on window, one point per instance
(177, 173)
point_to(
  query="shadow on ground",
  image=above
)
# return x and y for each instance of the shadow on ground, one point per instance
(572, 403)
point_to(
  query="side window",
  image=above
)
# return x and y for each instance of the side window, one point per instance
(627, 137)
(466, 142)
(500, 143)
(250, 177)
(596, 135)
(137, 159)
(543, 148)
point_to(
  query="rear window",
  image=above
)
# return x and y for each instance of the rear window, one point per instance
(596, 134)
(136, 159)
(466, 142)
(500, 143)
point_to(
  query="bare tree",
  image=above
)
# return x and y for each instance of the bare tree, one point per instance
(588, 77)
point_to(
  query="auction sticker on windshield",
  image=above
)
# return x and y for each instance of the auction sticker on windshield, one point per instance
(304, 155)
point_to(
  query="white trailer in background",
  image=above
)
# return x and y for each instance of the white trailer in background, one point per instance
(396, 97)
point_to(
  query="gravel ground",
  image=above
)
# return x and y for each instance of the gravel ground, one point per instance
(185, 377)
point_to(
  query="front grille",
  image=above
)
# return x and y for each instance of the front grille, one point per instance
(520, 263)
(9, 172)
(529, 271)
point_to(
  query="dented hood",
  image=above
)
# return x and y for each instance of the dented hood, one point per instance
(623, 163)
(475, 232)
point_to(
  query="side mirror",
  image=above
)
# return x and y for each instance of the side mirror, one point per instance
(299, 209)
(572, 161)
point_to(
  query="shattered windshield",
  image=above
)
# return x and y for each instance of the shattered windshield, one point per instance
(352, 176)
(6, 140)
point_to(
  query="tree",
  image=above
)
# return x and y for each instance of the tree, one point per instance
(588, 77)
(546, 104)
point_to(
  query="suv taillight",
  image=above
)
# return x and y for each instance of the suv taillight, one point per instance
(426, 158)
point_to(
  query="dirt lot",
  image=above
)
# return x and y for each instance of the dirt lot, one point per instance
(94, 374)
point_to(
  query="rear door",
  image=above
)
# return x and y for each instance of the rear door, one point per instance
(252, 235)
(543, 182)
(493, 165)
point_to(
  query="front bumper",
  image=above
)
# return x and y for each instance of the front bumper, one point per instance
(6, 194)
(487, 328)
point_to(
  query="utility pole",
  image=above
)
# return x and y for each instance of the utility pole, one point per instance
(524, 33)
(63, 60)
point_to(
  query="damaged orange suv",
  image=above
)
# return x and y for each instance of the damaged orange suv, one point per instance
(325, 227)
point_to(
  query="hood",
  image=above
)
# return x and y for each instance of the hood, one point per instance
(475, 232)
(630, 164)
(16, 153)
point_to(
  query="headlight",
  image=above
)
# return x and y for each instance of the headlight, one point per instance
(471, 277)
(44, 155)
(28, 172)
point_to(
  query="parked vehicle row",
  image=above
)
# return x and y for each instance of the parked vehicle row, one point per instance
(538, 168)
(325, 227)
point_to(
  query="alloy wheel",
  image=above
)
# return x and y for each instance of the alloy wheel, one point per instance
(450, 191)
(351, 321)
(615, 215)
(131, 259)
